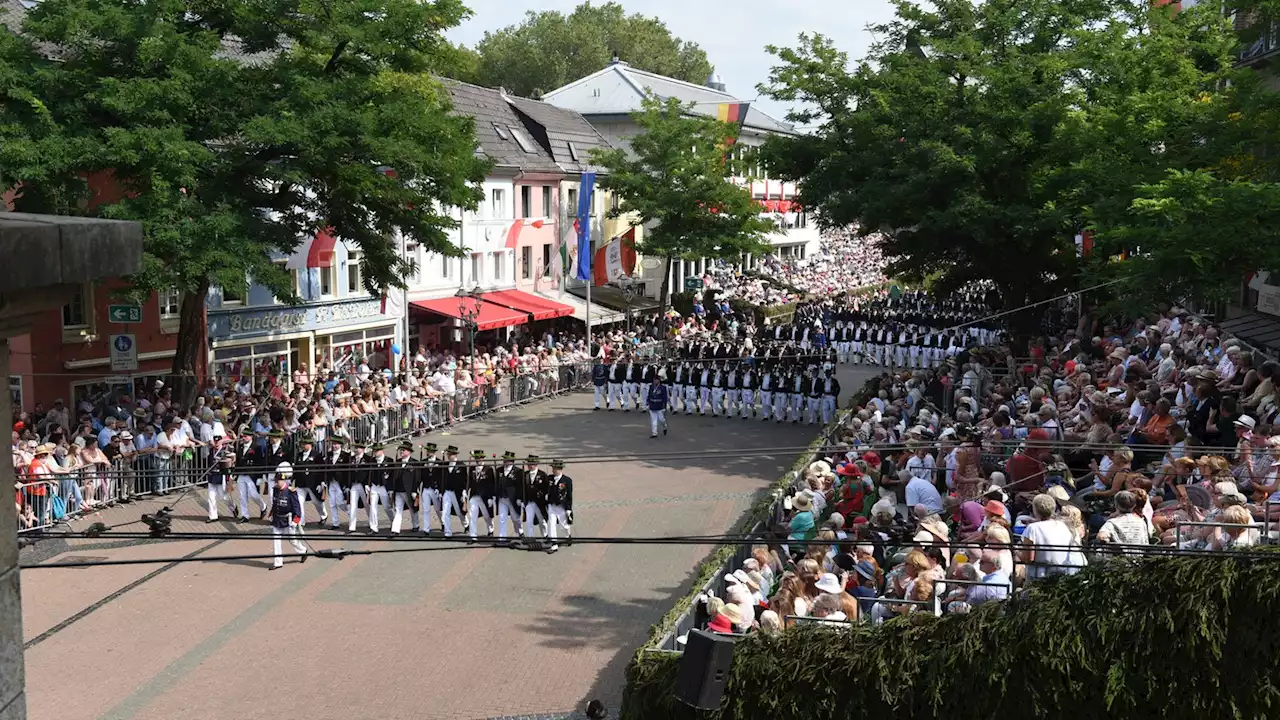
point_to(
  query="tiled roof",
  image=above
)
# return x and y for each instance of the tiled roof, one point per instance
(497, 125)
(705, 99)
(568, 134)
(11, 12)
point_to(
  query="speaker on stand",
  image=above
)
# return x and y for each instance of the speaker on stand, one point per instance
(704, 669)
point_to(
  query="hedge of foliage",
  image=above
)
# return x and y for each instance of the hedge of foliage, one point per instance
(1189, 637)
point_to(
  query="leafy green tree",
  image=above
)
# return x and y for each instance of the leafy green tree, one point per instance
(981, 137)
(550, 49)
(674, 181)
(235, 129)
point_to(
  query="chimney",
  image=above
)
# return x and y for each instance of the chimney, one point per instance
(715, 82)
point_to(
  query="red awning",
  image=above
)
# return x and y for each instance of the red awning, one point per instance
(539, 308)
(488, 317)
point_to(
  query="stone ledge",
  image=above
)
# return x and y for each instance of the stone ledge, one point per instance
(44, 250)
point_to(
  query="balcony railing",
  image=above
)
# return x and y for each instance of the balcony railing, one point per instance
(1264, 47)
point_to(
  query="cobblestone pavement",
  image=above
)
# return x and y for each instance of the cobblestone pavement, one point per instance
(465, 633)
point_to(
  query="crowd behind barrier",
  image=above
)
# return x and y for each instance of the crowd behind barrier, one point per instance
(70, 492)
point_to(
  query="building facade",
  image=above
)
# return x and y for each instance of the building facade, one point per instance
(255, 336)
(608, 99)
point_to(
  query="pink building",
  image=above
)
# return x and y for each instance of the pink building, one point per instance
(537, 202)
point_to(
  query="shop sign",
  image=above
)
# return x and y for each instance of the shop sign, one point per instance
(289, 320)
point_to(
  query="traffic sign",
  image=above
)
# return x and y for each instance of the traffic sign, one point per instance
(124, 313)
(692, 284)
(124, 353)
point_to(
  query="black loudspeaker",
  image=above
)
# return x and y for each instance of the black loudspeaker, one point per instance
(704, 669)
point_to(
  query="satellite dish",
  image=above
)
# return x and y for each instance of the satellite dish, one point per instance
(651, 263)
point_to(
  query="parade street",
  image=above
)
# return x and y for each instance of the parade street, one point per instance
(456, 633)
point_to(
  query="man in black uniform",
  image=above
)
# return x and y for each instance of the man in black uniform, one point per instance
(482, 491)
(429, 492)
(338, 480)
(813, 404)
(453, 483)
(559, 503)
(274, 454)
(404, 487)
(534, 491)
(308, 481)
(358, 484)
(509, 482)
(221, 482)
(250, 467)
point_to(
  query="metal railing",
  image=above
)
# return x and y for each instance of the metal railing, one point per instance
(715, 585)
(85, 489)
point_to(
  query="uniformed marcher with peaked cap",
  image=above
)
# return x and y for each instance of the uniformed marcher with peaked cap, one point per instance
(404, 487)
(559, 503)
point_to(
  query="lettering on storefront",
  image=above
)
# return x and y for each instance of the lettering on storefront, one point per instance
(294, 319)
(272, 323)
(347, 313)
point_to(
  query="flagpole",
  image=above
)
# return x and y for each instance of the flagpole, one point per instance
(589, 284)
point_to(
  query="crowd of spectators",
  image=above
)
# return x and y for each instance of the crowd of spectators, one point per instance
(960, 485)
(117, 442)
(844, 262)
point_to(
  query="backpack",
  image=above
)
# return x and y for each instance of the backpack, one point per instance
(58, 507)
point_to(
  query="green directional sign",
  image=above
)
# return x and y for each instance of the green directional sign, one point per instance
(692, 284)
(124, 314)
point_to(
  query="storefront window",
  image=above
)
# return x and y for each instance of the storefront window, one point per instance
(254, 363)
(346, 351)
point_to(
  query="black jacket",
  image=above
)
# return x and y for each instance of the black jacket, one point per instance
(453, 478)
(404, 478)
(560, 491)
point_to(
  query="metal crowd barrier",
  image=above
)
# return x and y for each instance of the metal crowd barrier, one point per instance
(715, 585)
(89, 488)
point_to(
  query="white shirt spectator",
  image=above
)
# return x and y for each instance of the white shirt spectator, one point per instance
(922, 492)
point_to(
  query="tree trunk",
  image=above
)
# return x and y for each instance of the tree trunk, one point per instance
(190, 359)
(663, 296)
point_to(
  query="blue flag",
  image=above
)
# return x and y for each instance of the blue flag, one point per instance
(585, 188)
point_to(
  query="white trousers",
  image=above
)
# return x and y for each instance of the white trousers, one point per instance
(533, 517)
(248, 488)
(293, 532)
(656, 418)
(429, 502)
(633, 394)
(781, 405)
(704, 400)
(796, 400)
(615, 395)
(219, 490)
(766, 403)
(733, 398)
(448, 508)
(690, 398)
(476, 506)
(337, 500)
(305, 494)
(828, 409)
(378, 498)
(403, 501)
(717, 400)
(358, 496)
(813, 404)
(602, 394)
(557, 514)
(677, 393)
(506, 511)
(748, 403)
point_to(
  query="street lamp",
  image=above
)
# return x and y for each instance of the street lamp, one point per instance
(628, 294)
(469, 310)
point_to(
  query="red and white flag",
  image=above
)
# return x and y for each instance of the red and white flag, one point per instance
(314, 252)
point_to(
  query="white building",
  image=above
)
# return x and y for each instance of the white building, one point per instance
(609, 98)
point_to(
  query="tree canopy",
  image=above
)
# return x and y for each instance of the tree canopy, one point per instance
(982, 137)
(674, 182)
(550, 49)
(235, 129)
